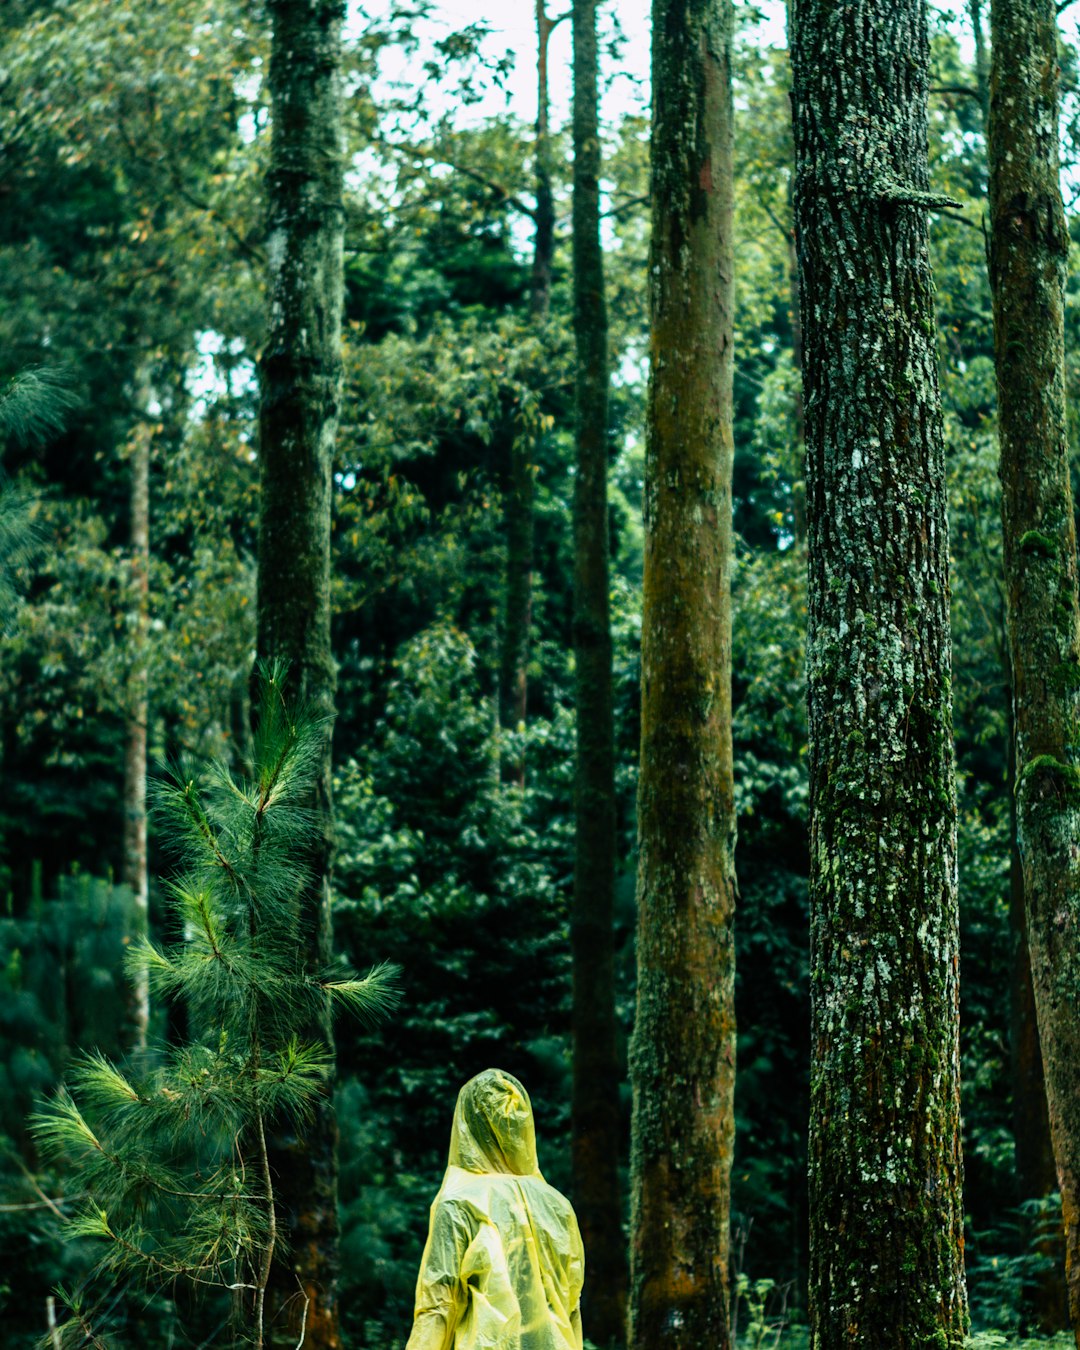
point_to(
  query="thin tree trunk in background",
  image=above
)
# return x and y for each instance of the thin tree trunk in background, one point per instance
(544, 240)
(521, 488)
(982, 66)
(886, 1220)
(1036, 1175)
(1029, 245)
(596, 1076)
(300, 372)
(798, 489)
(133, 870)
(683, 1059)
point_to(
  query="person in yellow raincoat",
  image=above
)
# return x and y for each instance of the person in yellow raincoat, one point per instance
(504, 1265)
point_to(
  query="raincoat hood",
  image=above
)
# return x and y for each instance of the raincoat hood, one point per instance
(493, 1127)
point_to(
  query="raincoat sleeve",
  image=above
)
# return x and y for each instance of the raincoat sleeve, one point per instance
(577, 1280)
(441, 1295)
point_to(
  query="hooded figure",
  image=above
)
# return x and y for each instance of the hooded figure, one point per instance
(503, 1265)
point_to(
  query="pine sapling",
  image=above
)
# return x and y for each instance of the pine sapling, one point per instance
(173, 1158)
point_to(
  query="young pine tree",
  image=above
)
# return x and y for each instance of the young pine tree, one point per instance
(174, 1162)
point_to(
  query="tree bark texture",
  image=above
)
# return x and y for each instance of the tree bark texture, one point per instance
(886, 1261)
(1028, 253)
(300, 373)
(596, 1076)
(683, 1058)
(134, 872)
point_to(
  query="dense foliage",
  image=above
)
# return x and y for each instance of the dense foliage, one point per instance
(133, 137)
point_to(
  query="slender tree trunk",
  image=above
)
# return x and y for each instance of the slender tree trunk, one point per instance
(886, 1230)
(1036, 1175)
(301, 386)
(521, 487)
(683, 1061)
(134, 872)
(798, 491)
(544, 239)
(982, 66)
(1029, 245)
(596, 1117)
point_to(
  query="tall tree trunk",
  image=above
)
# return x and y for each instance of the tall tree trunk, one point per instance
(544, 239)
(683, 1061)
(596, 1118)
(886, 1230)
(1029, 245)
(1036, 1175)
(521, 485)
(133, 870)
(300, 392)
(798, 490)
(982, 66)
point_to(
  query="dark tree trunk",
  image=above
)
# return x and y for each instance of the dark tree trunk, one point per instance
(596, 1117)
(133, 871)
(683, 1060)
(1029, 245)
(1036, 1175)
(544, 239)
(886, 1260)
(521, 485)
(982, 66)
(301, 382)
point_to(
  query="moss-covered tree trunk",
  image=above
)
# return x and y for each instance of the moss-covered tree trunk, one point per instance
(1035, 1173)
(595, 1113)
(1029, 245)
(1036, 1176)
(300, 374)
(683, 1059)
(886, 1259)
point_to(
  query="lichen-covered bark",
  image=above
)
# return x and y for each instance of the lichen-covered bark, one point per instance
(595, 1110)
(683, 1058)
(300, 374)
(1028, 252)
(886, 1260)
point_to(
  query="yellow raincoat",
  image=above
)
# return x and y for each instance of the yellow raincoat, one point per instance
(503, 1265)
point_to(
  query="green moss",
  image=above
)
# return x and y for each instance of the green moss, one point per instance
(1068, 775)
(1035, 544)
(1066, 677)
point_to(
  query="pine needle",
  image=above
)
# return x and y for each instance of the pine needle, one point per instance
(370, 998)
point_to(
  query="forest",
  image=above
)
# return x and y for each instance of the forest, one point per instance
(540, 537)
